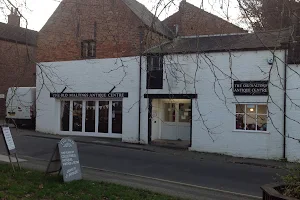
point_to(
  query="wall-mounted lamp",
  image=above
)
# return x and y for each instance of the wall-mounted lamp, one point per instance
(270, 61)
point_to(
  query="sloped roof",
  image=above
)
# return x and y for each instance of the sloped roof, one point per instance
(148, 18)
(230, 42)
(195, 12)
(17, 34)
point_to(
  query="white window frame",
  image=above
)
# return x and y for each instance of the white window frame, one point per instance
(96, 133)
(245, 117)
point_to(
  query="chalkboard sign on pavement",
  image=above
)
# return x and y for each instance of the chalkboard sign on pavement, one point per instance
(65, 159)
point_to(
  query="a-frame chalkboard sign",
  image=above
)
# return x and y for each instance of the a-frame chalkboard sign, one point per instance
(10, 145)
(65, 159)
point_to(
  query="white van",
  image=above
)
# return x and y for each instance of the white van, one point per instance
(20, 105)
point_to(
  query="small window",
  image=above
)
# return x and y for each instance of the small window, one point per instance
(154, 72)
(170, 114)
(251, 117)
(88, 49)
(155, 63)
(185, 112)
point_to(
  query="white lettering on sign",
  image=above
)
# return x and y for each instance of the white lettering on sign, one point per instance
(2, 96)
(251, 88)
(89, 95)
(69, 160)
(8, 138)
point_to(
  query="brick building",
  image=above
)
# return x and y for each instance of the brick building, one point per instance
(86, 29)
(191, 21)
(17, 57)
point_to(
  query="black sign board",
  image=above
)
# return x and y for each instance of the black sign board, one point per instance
(90, 95)
(251, 88)
(65, 158)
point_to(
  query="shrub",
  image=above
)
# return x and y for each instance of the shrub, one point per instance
(292, 183)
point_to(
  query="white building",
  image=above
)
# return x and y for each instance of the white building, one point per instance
(222, 94)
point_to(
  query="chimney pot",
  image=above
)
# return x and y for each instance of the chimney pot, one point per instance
(14, 18)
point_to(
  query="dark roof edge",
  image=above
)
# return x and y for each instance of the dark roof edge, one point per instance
(155, 31)
(219, 51)
(18, 42)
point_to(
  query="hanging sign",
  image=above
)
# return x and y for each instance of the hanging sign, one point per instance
(251, 88)
(90, 95)
(10, 145)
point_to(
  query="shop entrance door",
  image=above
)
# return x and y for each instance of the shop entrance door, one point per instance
(176, 121)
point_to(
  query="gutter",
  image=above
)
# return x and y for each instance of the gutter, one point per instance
(284, 102)
(140, 82)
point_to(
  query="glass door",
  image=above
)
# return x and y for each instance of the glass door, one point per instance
(103, 116)
(176, 123)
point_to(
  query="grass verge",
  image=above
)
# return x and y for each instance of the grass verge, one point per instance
(27, 184)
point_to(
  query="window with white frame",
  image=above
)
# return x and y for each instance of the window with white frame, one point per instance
(92, 116)
(251, 117)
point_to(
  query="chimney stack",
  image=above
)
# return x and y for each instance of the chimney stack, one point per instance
(14, 18)
(181, 4)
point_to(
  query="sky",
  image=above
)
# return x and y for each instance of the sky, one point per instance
(37, 12)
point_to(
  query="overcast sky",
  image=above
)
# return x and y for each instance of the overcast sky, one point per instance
(38, 11)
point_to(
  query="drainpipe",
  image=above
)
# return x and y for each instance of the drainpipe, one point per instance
(140, 81)
(284, 102)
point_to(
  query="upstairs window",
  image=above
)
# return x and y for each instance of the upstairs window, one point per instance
(88, 49)
(155, 63)
(154, 72)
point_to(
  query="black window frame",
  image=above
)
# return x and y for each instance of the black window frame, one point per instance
(151, 59)
(89, 46)
(155, 73)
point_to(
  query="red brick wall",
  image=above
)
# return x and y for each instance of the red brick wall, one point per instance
(117, 30)
(194, 21)
(17, 68)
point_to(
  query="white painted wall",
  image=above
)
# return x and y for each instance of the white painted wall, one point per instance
(194, 74)
(216, 103)
(88, 76)
(293, 113)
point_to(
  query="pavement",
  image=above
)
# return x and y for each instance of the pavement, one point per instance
(191, 175)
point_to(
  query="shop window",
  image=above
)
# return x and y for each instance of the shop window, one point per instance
(109, 115)
(185, 112)
(117, 116)
(77, 116)
(103, 116)
(65, 116)
(90, 122)
(251, 117)
(170, 112)
(88, 49)
(154, 72)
